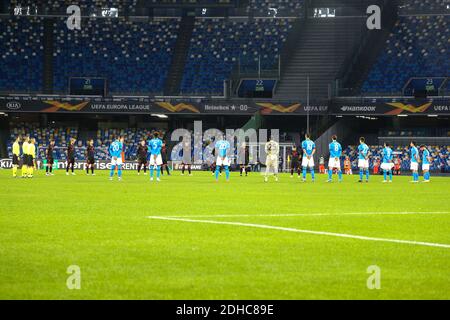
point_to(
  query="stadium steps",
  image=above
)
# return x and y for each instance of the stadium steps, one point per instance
(173, 82)
(319, 55)
(364, 59)
(48, 55)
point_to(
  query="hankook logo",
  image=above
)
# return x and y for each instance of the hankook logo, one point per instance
(13, 105)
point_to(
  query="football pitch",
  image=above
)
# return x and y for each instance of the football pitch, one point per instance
(192, 238)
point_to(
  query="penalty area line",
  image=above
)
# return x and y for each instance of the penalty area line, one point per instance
(322, 233)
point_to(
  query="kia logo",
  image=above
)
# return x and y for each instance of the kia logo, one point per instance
(13, 105)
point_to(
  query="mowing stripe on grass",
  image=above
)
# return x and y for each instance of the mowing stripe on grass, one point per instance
(322, 233)
(307, 214)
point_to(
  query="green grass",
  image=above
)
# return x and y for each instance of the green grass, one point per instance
(49, 223)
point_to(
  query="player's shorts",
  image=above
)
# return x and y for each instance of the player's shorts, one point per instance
(387, 166)
(71, 160)
(30, 162)
(272, 161)
(363, 163)
(414, 166)
(91, 160)
(222, 162)
(142, 160)
(156, 162)
(25, 159)
(425, 167)
(50, 161)
(117, 161)
(334, 164)
(308, 162)
(15, 160)
(295, 164)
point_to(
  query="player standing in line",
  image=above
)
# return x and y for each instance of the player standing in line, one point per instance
(222, 159)
(154, 147)
(90, 156)
(25, 161)
(50, 158)
(414, 162)
(272, 149)
(115, 151)
(31, 157)
(164, 159)
(16, 155)
(387, 164)
(334, 162)
(142, 153)
(295, 161)
(71, 156)
(309, 149)
(363, 159)
(426, 160)
(244, 167)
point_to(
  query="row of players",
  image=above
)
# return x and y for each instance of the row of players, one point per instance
(158, 158)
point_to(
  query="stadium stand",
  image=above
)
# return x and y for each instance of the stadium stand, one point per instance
(417, 47)
(218, 45)
(423, 6)
(21, 54)
(133, 56)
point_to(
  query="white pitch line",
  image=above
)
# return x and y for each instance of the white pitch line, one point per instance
(323, 233)
(307, 214)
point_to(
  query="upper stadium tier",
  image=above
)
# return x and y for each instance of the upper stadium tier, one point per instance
(419, 46)
(321, 48)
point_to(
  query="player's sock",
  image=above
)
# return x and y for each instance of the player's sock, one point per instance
(51, 169)
(119, 171)
(182, 170)
(92, 169)
(30, 171)
(72, 168)
(227, 172)
(390, 175)
(216, 173)
(111, 173)
(367, 174)
(158, 172)
(145, 168)
(87, 169)
(189, 169)
(312, 173)
(151, 171)
(340, 175)
(46, 169)
(416, 176)
(426, 176)
(385, 175)
(304, 173)
(167, 169)
(330, 174)
(14, 170)
(361, 174)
